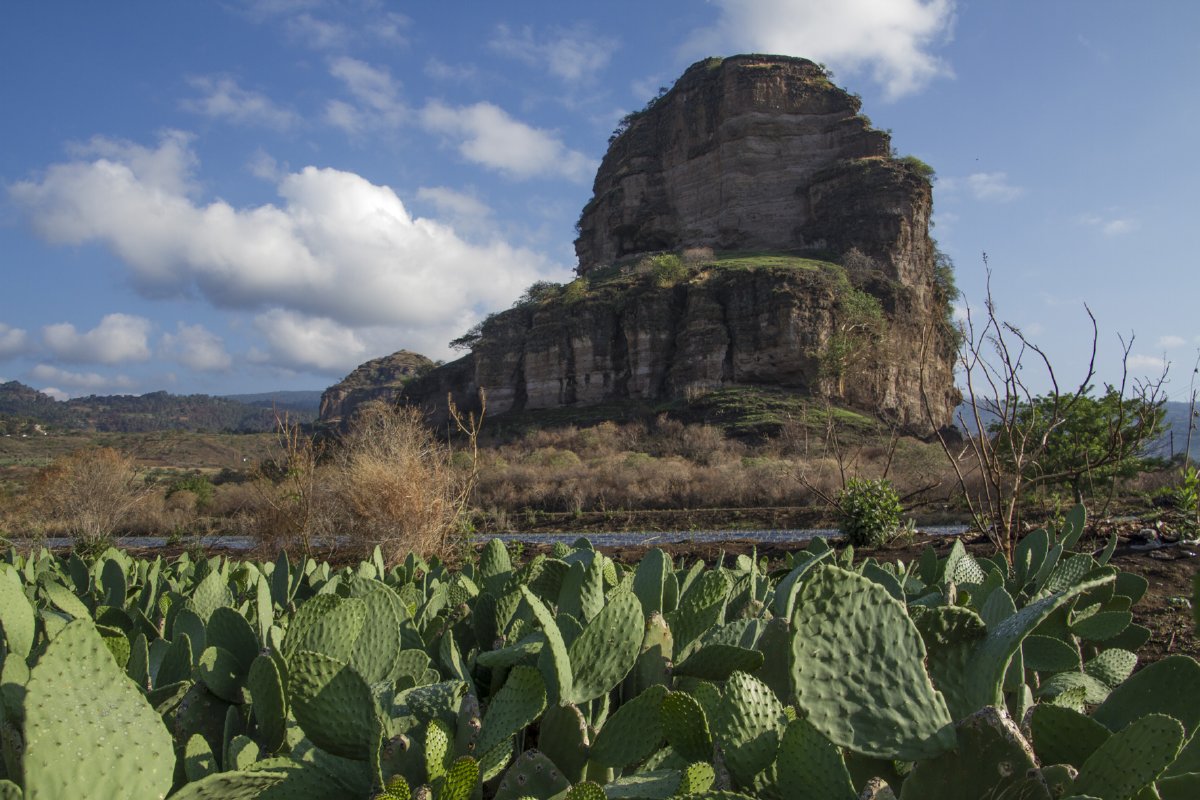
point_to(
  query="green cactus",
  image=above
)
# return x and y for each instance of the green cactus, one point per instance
(198, 759)
(701, 607)
(554, 662)
(564, 738)
(1131, 758)
(747, 726)
(1164, 687)
(230, 631)
(82, 711)
(716, 662)
(1049, 654)
(685, 726)
(438, 753)
(531, 775)
(16, 615)
(333, 705)
(810, 766)
(991, 759)
(868, 692)
(269, 705)
(607, 649)
(1064, 736)
(650, 578)
(632, 733)
(950, 634)
(520, 701)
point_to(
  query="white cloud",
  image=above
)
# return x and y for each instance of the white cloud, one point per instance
(376, 92)
(80, 381)
(1149, 363)
(196, 347)
(487, 135)
(55, 392)
(13, 341)
(316, 33)
(1170, 342)
(300, 341)
(118, 338)
(572, 54)
(993, 186)
(889, 39)
(392, 27)
(441, 71)
(337, 247)
(221, 97)
(1110, 226)
(464, 210)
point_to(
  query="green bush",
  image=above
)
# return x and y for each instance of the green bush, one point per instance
(869, 511)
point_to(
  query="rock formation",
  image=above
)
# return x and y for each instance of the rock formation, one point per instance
(379, 379)
(788, 220)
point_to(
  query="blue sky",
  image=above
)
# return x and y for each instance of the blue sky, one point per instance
(242, 196)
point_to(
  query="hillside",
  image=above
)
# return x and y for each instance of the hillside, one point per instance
(22, 408)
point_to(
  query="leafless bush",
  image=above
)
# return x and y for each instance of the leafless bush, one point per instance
(87, 495)
(397, 486)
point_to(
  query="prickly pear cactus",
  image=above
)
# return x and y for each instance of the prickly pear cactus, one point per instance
(859, 672)
(89, 732)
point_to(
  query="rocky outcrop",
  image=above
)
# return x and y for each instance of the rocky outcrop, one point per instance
(727, 159)
(643, 342)
(378, 379)
(791, 216)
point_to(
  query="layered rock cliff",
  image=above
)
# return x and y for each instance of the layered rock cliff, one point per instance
(748, 227)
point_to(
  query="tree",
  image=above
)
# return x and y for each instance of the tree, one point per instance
(1084, 441)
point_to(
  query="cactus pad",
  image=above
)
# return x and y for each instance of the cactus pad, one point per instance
(531, 775)
(520, 701)
(1167, 687)
(858, 670)
(607, 649)
(1064, 736)
(632, 733)
(1131, 758)
(333, 705)
(81, 711)
(685, 726)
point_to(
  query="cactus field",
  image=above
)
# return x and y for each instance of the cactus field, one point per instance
(573, 676)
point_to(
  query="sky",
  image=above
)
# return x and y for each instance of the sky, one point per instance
(255, 195)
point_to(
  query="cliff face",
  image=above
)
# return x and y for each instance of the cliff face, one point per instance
(726, 160)
(766, 326)
(792, 217)
(379, 379)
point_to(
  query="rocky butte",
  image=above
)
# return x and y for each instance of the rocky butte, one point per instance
(748, 227)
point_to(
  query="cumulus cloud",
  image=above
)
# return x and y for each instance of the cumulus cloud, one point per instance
(118, 338)
(1110, 226)
(222, 98)
(572, 54)
(888, 39)
(487, 135)
(465, 211)
(13, 341)
(196, 347)
(81, 382)
(336, 247)
(302, 342)
(993, 187)
(1171, 342)
(376, 95)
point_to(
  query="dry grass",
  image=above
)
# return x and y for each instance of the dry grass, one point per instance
(394, 485)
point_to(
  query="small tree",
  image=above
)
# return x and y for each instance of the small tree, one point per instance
(1088, 441)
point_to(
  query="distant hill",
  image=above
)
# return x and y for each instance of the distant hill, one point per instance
(299, 401)
(22, 406)
(1172, 442)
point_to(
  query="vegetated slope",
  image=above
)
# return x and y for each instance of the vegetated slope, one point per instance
(21, 407)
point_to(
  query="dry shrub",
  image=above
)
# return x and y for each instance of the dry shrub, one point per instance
(395, 485)
(87, 495)
(697, 255)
